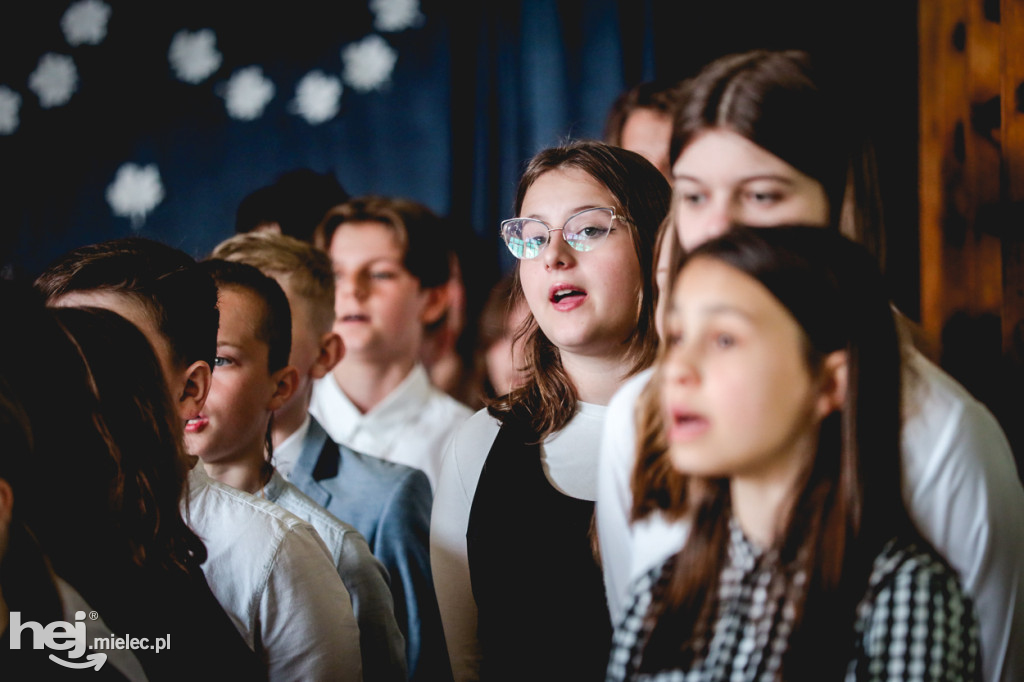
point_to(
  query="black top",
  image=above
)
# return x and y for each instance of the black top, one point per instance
(540, 596)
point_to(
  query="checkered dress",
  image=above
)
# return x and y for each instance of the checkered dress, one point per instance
(914, 623)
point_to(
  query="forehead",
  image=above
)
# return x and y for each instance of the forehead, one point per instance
(560, 192)
(356, 239)
(707, 284)
(722, 152)
(242, 311)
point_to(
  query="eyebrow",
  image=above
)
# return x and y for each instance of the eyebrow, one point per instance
(750, 178)
(721, 309)
(536, 216)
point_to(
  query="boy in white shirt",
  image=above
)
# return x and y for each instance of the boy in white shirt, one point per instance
(387, 502)
(391, 266)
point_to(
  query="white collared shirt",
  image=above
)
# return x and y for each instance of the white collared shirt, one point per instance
(274, 577)
(411, 426)
(287, 453)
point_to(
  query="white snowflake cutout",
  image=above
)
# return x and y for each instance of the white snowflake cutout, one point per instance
(135, 192)
(317, 97)
(10, 105)
(54, 80)
(85, 22)
(193, 55)
(368, 63)
(395, 15)
(247, 93)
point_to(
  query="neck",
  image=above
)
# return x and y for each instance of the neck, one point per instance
(762, 500)
(367, 384)
(248, 476)
(596, 378)
(290, 417)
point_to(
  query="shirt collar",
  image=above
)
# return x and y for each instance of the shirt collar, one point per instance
(287, 453)
(397, 409)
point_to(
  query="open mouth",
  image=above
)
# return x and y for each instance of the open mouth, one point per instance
(565, 297)
(355, 317)
(561, 294)
(196, 424)
(684, 425)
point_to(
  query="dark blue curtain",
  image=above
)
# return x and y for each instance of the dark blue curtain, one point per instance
(475, 92)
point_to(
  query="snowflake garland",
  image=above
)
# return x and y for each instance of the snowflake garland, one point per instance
(85, 22)
(194, 56)
(391, 16)
(54, 80)
(10, 105)
(368, 63)
(135, 192)
(247, 93)
(317, 97)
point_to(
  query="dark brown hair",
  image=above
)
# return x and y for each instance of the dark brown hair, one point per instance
(548, 400)
(782, 103)
(653, 95)
(848, 503)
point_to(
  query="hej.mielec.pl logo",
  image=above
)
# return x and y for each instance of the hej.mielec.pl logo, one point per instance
(71, 637)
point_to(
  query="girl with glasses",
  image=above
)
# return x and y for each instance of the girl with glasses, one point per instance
(518, 584)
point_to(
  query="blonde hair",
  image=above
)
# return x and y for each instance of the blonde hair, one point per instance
(307, 268)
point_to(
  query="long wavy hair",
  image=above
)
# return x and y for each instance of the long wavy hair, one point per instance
(848, 503)
(547, 401)
(138, 425)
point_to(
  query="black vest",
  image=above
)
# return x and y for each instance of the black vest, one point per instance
(540, 596)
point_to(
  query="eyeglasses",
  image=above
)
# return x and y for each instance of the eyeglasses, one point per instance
(583, 231)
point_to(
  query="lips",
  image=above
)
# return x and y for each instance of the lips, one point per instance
(197, 424)
(685, 425)
(354, 317)
(566, 297)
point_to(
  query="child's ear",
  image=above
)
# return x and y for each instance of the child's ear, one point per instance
(436, 304)
(286, 380)
(332, 350)
(834, 383)
(194, 390)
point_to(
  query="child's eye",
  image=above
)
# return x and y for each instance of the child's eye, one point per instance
(673, 339)
(764, 197)
(691, 198)
(725, 340)
(220, 361)
(383, 275)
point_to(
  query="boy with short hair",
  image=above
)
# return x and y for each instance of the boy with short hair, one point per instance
(391, 266)
(388, 503)
(269, 570)
(252, 380)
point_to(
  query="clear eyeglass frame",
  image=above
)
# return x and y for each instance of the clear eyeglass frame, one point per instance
(584, 231)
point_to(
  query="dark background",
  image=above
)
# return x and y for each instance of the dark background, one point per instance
(478, 88)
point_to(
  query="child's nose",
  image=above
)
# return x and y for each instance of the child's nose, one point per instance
(558, 253)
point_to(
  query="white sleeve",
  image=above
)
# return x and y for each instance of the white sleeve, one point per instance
(449, 559)
(614, 498)
(963, 492)
(308, 629)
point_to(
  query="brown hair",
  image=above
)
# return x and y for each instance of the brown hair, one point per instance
(548, 400)
(849, 501)
(779, 101)
(307, 269)
(660, 97)
(422, 236)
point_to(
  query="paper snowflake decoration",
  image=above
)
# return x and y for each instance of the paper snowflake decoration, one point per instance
(395, 15)
(135, 192)
(10, 105)
(317, 97)
(85, 22)
(247, 93)
(194, 56)
(368, 63)
(54, 80)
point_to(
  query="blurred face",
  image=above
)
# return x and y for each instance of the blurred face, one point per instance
(379, 305)
(649, 133)
(722, 178)
(504, 358)
(233, 424)
(738, 397)
(586, 303)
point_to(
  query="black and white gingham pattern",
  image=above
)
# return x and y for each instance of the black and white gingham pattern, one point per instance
(914, 622)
